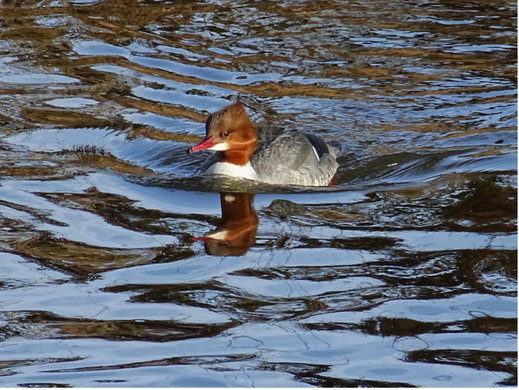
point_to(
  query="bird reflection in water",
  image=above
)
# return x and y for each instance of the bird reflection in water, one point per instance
(236, 232)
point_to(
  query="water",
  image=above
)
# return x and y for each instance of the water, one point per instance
(403, 273)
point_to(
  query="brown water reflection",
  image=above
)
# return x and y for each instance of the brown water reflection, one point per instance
(121, 266)
(236, 232)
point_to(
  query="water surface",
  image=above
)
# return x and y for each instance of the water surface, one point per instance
(403, 273)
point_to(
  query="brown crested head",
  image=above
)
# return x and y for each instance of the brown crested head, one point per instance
(229, 123)
(229, 131)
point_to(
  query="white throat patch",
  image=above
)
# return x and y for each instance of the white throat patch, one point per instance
(220, 147)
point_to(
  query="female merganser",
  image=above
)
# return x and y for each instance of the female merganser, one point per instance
(289, 159)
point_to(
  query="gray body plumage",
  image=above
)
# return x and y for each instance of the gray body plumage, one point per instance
(291, 158)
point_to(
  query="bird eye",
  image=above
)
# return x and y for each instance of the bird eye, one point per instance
(226, 134)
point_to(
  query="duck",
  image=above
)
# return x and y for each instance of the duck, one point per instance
(291, 158)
